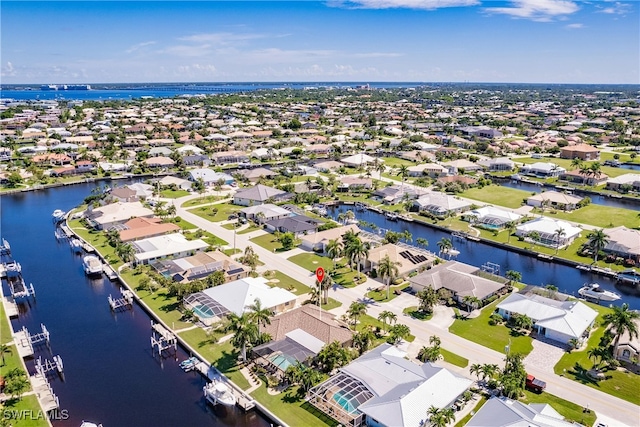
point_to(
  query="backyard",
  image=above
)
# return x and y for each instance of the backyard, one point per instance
(497, 195)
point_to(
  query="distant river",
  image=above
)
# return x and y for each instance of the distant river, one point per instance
(111, 376)
(534, 271)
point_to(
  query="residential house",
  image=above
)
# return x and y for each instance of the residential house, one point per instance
(164, 246)
(501, 412)
(226, 157)
(318, 241)
(491, 217)
(462, 280)
(408, 260)
(576, 177)
(297, 224)
(200, 265)
(257, 174)
(382, 388)
(499, 164)
(258, 195)
(454, 166)
(441, 204)
(623, 242)
(552, 233)
(623, 183)
(560, 321)
(182, 184)
(115, 213)
(432, 170)
(628, 350)
(160, 162)
(554, 200)
(580, 151)
(397, 193)
(358, 160)
(264, 213)
(141, 228)
(210, 177)
(542, 170)
(353, 183)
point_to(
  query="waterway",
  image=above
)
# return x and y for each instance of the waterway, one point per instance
(110, 373)
(596, 199)
(534, 270)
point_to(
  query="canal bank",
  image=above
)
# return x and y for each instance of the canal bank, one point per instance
(247, 400)
(111, 375)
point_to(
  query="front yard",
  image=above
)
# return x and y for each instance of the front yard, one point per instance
(216, 212)
(497, 195)
(343, 275)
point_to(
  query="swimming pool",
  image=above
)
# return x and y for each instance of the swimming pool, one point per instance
(282, 361)
(203, 312)
(344, 402)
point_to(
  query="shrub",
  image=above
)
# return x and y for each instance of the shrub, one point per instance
(373, 273)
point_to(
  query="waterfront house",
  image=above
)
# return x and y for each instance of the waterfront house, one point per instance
(580, 151)
(353, 183)
(141, 228)
(358, 160)
(542, 170)
(104, 217)
(554, 200)
(501, 412)
(299, 225)
(498, 165)
(560, 321)
(258, 195)
(382, 388)
(624, 183)
(253, 175)
(463, 165)
(160, 162)
(408, 259)
(432, 170)
(318, 241)
(210, 177)
(460, 279)
(213, 304)
(199, 266)
(227, 157)
(441, 204)
(623, 242)
(549, 232)
(397, 193)
(576, 177)
(164, 246)
(182, 184)
(491, 217)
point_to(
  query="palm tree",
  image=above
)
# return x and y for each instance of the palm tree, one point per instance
(596, 171)
(332, 356)
(558, 235)
(388, 269)
(489, 370)
(379, 167)
(245, 331)
(429, 354)
(576, 163)
(534, 236)
(585, 171)
(513, 276)
(622, 320)
(476, 369)
(397, 333)
(385, 317)
(125, 252)
(511, 228)
(471, 302)
(359, 251)
(5, 349)
(428, 298)
(403, 172)
(356, 309)
(440, 417)
(323, 288)
(445, 245)
(259, 314)
(422, 242)
(334, 250)
(362, 340)
(598, 240)
(113, 237)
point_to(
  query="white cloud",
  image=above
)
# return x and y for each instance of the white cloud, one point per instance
(537, 10)
(574, 26)
(8, 70)
(615, 8)
(139, 46)
(378, 55)
(401, 4)
(221, 39)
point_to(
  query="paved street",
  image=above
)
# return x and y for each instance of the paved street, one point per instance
(621, 411)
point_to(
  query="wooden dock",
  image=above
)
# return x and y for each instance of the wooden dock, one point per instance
(10, 307)
(47, 398)
(22, 340)
(162, 338)
(109, 271)
(243, 400)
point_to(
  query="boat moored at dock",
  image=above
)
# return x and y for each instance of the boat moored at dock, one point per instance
(92, 265)
(217, 392)
(595, 292)
(58, 215)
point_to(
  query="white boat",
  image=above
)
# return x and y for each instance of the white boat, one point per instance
(594, 291)
(76, 246)
(89, 424)
(58, 215)
(218, 392)
(92, 265)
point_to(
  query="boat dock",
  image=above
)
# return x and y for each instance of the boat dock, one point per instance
(162, 339)
(123, 303)
(23, 343)
(43, 367)
(110, 272)
(10, 307)
(47, 398)
(243, 400)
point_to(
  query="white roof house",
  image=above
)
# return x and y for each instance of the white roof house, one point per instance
(238, 295)
(142, 190)
(542, 169)
(210, 176)
(554, 199)
(190, 148)
(387, 389)
(500, 412)
(166, 246)
(440, 203)
(557, 320)
(494, 216)
(548, 229)
(269, 211)
(358, 160)
(623, 242)
(115, 213)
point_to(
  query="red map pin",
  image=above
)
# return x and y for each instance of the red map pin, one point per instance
(320, 274)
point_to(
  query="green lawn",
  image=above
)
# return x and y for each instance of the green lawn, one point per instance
(222, 355)
(394, 162)
(380, 293)
(453, 358)
(569, 410)
(600, 216)
(5, 328)
(619, 383)
(174, 194)
(98, 240)
(268, 241)
(566, 163)
(184, 225)
(249, 229)
(221, 214)
(370, 321)
(290, 284)
(343, 275)
(201, 201)
(417, 314)
(291, 408)
(27, 403)
(498, 195)
(11, 361)
(496, 337)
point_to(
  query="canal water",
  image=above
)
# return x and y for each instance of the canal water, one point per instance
(534, 270)
(110, 374)
(596, 199)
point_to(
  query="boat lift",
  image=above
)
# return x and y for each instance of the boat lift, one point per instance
(491, 268)
(43, 367)
(20, 290)
(162, 339)
(124, 303)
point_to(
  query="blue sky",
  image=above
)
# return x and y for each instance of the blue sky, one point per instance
(534, 41)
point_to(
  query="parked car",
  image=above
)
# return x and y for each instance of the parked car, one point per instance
(233, 216)
(535, 384)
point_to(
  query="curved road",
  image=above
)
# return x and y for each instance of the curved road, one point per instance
(602, 403)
